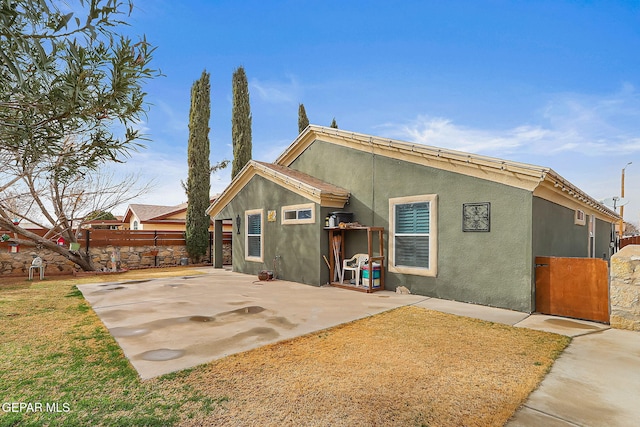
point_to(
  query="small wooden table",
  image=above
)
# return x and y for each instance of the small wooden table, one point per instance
(334, 231)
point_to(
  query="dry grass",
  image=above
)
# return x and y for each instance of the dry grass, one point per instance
(409, 366)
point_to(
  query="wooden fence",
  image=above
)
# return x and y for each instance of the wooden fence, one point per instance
(99, 238)
(573, 287)
(133, 238)
(633, 240)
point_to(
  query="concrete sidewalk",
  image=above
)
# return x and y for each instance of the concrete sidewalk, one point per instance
(595, 382)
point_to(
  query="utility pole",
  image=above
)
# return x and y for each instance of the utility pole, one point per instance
(621, 229)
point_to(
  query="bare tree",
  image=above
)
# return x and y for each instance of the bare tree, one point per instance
(59, 204)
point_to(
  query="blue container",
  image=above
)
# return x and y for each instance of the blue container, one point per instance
(376, 275)
(376, 271)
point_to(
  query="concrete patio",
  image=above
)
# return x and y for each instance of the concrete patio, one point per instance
(169, 324)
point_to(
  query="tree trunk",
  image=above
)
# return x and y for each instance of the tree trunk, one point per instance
(80, 258)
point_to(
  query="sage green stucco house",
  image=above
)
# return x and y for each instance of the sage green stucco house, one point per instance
(456, 225)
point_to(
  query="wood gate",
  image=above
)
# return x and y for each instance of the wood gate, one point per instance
(573, 287)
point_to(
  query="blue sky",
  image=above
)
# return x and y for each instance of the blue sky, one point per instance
(553, 83)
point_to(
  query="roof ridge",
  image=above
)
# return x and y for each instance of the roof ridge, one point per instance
(534, 172)
(438, 151)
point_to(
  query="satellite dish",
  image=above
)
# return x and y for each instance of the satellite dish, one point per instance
(615, 202)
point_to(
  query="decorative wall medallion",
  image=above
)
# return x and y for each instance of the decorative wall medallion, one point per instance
(476, 216)
(271, 216)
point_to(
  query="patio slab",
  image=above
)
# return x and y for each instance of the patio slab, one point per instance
(169, 324)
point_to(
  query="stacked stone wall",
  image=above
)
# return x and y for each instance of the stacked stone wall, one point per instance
(17, 264)
(139, 256)
(226, 254)
(625, 288)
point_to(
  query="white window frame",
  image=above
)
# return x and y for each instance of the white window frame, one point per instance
(246, 235)
(297, 209)
(432, 199)
(580, 218)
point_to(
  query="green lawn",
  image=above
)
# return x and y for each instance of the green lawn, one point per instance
(54, 350)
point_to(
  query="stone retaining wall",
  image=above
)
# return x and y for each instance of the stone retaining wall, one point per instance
(139, 256)
(17, 264)
(625, 288)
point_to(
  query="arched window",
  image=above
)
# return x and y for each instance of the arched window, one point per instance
(135, 225)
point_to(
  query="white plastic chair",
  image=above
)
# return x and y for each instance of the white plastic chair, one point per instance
(354, 264)
(36, 264)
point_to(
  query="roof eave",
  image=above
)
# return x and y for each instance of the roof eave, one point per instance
(563, 186)
(323, 198)
(330, 200)
(216, 207)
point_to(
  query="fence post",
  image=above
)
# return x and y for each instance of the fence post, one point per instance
(86, 239)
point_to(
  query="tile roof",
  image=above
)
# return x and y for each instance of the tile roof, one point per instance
(493, 168)
(148, 212)
(309, 180)
(541, 181)
(312, 188)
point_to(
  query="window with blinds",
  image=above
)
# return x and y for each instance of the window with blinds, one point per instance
(412, 235)
(253, 246)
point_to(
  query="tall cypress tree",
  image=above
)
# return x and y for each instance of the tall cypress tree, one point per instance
(198, 183)
(240, 122)
(334, 124)
(303, 121)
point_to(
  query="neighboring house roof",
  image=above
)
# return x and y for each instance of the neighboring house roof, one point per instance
(541, 181)
(157, 214)
(312, 188)
(147, 212)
